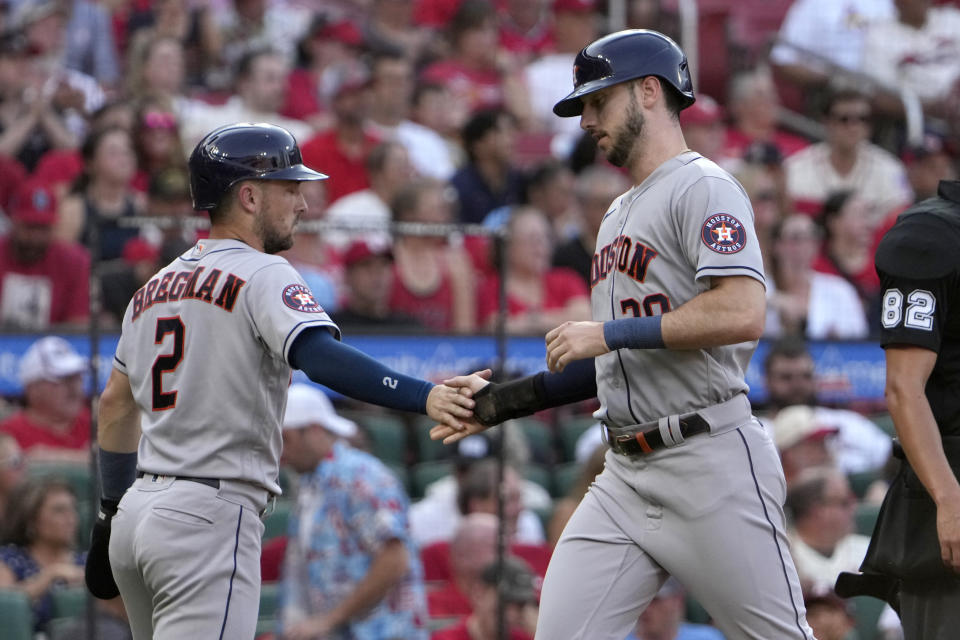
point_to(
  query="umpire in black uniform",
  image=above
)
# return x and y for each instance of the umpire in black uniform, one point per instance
(916, 543)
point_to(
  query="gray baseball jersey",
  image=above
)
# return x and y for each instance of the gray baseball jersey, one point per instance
(192, 338)
(657, 248)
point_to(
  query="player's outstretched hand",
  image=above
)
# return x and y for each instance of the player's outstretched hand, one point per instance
(574, 341)
(448, 406)
(467, 386)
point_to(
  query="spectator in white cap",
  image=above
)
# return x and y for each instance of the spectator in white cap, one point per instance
(350, 569)
(802, 440)
(54, 423)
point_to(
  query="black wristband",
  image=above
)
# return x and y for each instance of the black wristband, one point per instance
(498, 402)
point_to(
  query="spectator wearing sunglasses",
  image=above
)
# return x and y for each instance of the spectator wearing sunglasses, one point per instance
(847, 160)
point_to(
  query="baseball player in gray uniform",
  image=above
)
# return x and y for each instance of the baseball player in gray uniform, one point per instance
(693, 485)
(194, 403)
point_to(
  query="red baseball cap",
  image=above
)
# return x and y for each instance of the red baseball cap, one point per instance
(342, 31)
(704, 111)
(363, 249)
(139, 250)
(575, 6)
(33, 203)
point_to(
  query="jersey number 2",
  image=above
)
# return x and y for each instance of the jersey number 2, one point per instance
(165, 363)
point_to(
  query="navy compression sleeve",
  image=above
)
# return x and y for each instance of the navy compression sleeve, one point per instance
(347, 370)
(577, 381)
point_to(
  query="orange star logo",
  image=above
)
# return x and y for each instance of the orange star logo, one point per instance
(723, 233)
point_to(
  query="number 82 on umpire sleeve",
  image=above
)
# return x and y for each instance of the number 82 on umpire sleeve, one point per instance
(919, 313)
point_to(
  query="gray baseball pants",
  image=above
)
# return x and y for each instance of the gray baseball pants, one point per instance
(709, 512)
(186, 558)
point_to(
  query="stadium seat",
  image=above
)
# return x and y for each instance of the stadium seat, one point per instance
(16, 615)
(275, 524)
(861, 481)
(69, 602)
(428, 450)
(866, 614)
(539, 437)
(865, 517)
(885, 422)
(539, 474)
(387, 433)
(77, 475)
(266, 626)
(564, 475)
(268, 600)
(421, 475)
(570, 431)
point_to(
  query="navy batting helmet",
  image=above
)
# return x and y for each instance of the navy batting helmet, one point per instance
(243, 151)
(623, 56)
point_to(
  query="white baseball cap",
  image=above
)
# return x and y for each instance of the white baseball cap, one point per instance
(50, 358)
(307, 405)
(795, 424)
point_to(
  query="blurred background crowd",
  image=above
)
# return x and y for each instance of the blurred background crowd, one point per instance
(835, 115)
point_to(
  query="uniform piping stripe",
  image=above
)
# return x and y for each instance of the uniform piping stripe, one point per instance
(319, 322)
(773, 529)
(120, 361)
(236, 544)
(211, 253)
(732, 266)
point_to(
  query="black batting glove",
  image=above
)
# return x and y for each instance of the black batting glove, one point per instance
(97, 573)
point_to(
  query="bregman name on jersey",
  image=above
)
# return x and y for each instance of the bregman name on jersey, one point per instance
(182, 285)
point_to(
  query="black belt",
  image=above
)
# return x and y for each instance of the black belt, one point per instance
(650, 439)
(210, 482)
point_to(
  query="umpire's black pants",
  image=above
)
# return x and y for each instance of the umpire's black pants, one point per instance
(930, 609)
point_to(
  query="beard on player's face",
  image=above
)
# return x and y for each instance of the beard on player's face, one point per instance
(273, 238)
(628, 136)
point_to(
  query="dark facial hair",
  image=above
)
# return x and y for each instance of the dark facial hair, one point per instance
(627, 134)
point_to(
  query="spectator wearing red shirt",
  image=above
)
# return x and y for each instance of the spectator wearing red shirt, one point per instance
(54, 423)
(754, 106)
(43, 282)
(434, 282)
(525, 29)
(479, 74)
(341, 151)
(848, 249)
(473, 547)
(327, 52)
(519, 587)
(539, 296)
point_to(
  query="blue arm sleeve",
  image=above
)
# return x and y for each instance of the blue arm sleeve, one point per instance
(577, 381)
(346, 370)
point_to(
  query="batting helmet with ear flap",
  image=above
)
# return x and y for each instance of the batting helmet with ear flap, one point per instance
(622, 56)
(243, 151)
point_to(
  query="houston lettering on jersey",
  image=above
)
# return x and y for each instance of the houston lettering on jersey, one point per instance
(628, 255)
(187, 285)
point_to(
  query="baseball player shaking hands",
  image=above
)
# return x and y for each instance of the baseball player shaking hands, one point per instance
(693, 485)
(190, 418)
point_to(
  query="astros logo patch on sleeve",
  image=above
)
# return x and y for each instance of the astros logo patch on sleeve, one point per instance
(723, 233)
(299, 298)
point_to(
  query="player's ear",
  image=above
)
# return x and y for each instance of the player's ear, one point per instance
(249, 196)
(648, 90)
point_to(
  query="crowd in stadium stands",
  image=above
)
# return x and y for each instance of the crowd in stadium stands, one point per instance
(439, 111)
